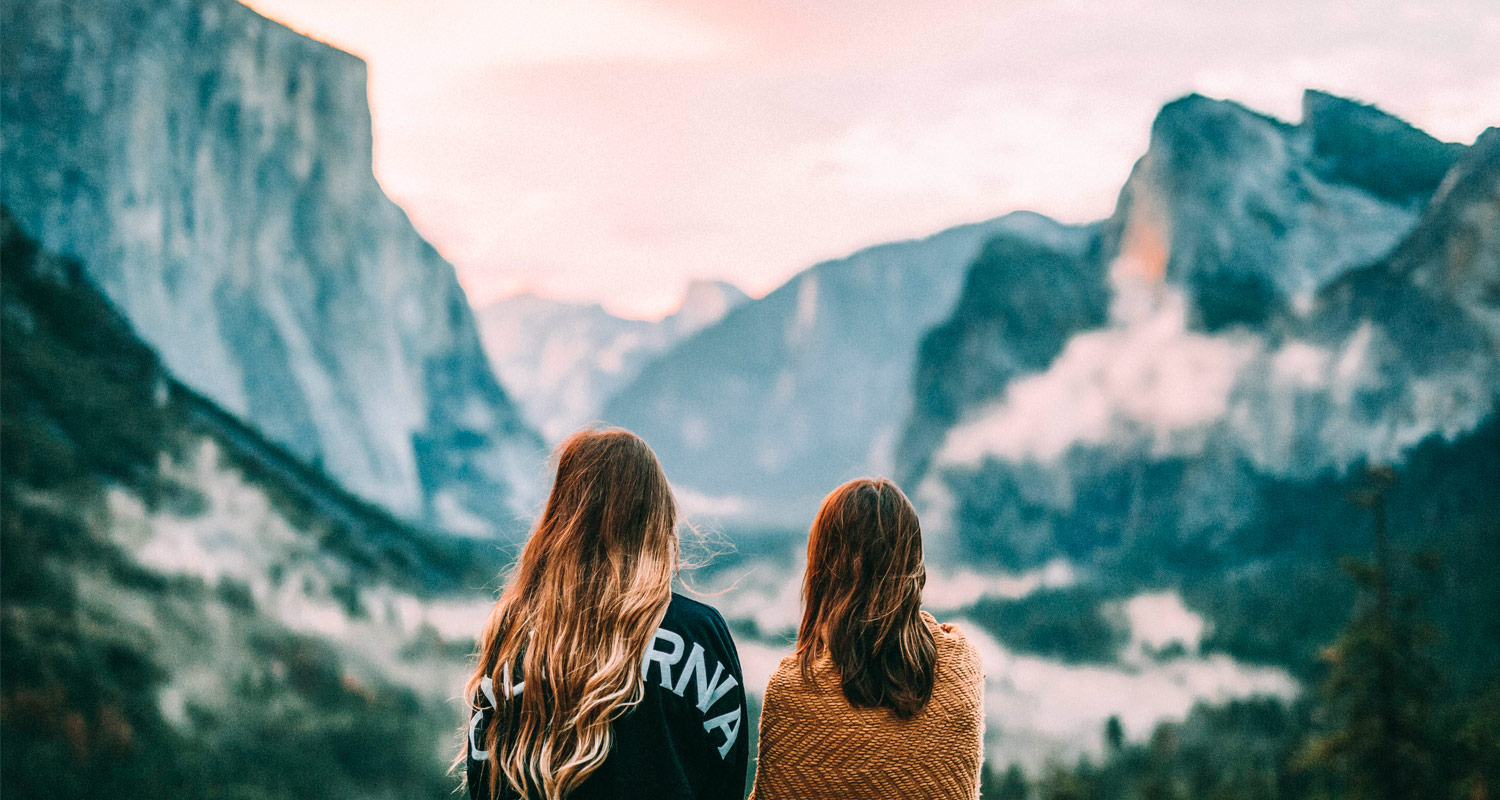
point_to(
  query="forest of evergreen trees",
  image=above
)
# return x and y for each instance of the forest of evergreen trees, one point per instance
(1391, 718)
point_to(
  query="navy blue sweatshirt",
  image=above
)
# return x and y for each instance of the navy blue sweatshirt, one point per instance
(686, 740)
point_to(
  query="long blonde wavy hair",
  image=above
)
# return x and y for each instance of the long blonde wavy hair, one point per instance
(589, 590)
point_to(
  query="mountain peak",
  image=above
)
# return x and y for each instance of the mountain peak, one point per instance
(535, 305)
(704, 303)
(1225, 190)
(1193, 132)
(1360, 144)
(563, 358)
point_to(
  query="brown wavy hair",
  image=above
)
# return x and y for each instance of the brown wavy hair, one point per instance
(588, 591)
(863, 598)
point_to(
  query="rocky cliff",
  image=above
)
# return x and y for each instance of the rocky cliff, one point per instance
(1023, 298)
(213, 171)
(1285, 304)
(1245, 212)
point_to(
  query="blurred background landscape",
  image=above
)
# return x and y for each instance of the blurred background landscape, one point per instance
(1203, 423)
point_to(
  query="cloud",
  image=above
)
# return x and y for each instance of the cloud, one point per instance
(1304, 408)
(697, 506)
(1147, 385)
(960, 587)
(1160, 619)
(435, 36)
(1147, 382)
(983, 149)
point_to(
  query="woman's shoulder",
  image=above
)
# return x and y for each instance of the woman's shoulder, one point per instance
(690, 616)
(698, 622)
(953, 647)
(814, 693)
(686, 610)
(788, 669)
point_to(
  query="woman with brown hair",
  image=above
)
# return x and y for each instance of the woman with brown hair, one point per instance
(594, 679)
(879, 700)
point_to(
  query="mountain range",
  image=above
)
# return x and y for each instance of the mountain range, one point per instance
(1258, 335)
(562, 360)
(757, 416)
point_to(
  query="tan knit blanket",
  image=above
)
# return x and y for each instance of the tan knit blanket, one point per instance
(813, 744)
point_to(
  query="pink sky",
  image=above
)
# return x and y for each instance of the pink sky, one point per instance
(612, 150)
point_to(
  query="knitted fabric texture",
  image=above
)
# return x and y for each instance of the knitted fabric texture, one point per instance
(813, 744)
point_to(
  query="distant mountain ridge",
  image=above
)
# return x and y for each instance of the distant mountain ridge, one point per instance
(1026, 294)
(212, 169)
(562, 360)
(1277, 321)
(1242, 215)
(808, 385)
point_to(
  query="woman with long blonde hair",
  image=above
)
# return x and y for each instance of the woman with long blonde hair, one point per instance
(594, 679)
(880, 700)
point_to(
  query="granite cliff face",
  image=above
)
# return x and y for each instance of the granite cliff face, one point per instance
(1245, 212)
(1451, 257)
(757, 416)
(213, 171)
(1270, 308)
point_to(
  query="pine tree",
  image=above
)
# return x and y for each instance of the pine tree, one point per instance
(1059, 783)
(1377, 696)
(1159, 780)
(1013, 786)
(1114, 736)
(1478, 740)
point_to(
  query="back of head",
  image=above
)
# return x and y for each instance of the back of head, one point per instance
(863, 596)
(590, 588)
